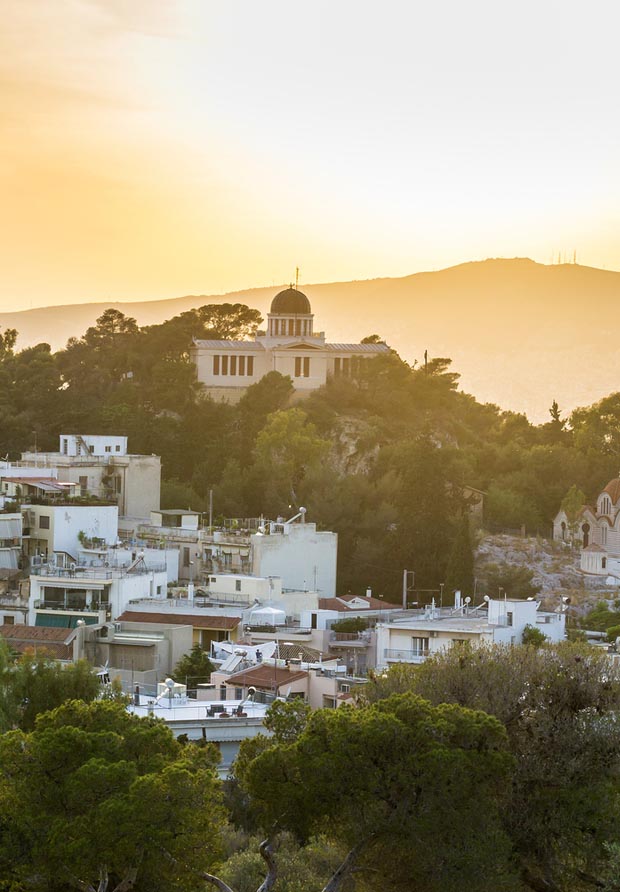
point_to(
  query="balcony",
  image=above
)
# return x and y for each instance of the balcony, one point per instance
(349, 639)
(405, 656)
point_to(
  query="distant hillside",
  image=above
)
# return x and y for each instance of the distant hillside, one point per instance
(520, 333)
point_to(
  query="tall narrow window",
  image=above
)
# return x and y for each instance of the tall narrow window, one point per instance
(242, 365)
(291, 327)
(306, 366)
(298, 328)
(346, 363)
(337, 365)
(298, 366)
(233, 365)
(224, 365)
(250, 365)
(216, 365)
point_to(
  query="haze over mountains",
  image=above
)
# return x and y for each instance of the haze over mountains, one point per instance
(520, 333)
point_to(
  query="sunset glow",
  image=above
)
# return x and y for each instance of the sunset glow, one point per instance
(152, 149)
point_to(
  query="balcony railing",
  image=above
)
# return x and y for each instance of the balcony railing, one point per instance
(81, 572)
(405, 656)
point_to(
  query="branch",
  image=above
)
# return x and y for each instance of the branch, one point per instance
(339, 876)
(266, 852)
(219, 884)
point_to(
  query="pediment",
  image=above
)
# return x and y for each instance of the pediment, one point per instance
(299, 345)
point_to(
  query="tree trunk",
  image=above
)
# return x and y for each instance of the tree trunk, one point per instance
(267, 855)
(336, 880)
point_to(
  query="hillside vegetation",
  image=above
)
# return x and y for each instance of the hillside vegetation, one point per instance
(514, 328)
(383, 458)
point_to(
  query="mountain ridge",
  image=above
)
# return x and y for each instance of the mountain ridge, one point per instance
(515, 329)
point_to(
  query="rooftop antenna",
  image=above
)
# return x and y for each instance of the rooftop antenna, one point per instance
(296, 278)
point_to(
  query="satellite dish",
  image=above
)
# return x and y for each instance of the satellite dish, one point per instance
(468, 600)
(169, 682)
(486, 598)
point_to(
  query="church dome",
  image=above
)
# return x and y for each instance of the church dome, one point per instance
(613, 490)
(290, 301)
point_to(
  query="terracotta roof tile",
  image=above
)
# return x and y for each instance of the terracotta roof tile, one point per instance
(197, 620)
(266, 677)
(342, 603)
(613, 490)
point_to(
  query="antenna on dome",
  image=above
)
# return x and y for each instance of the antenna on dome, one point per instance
(296, 278)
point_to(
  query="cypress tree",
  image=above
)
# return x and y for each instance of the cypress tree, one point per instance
(460, 573)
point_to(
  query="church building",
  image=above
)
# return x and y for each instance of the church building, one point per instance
(289, 346)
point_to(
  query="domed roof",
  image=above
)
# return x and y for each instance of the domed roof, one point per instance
(613, 490)
(291, 301)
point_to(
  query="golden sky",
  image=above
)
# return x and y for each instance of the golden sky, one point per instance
(154, 148)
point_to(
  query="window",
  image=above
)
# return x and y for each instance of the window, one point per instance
(509, 617)
(291, 327)
(224, 365)
(65, 447)
(91, 448)
(117, 447)
(337, 365)
(108, 449)
(250, 365)
(604, 564)
(306, 366)
(605, 505)
(419, 646)
(298, 328)
(216, 365)
(298, 366)
(603, 535)
(233, 365)
(9, 620)
(242, 365)
(186, 557)
(83, 485)
(237, 585)
(44, 522)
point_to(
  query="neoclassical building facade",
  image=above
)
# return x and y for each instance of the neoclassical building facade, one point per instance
(289, 346)
(598, 530)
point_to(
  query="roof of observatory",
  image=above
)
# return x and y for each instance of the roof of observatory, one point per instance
(291, 301)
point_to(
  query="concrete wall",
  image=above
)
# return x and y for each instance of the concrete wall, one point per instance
(304, 558)
(66, 521)
(70, 444)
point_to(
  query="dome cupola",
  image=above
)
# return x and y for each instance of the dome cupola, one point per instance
(290, 314)
(291, 302)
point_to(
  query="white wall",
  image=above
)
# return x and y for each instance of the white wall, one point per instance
(304, 558)
(66, 521)
(70, 444)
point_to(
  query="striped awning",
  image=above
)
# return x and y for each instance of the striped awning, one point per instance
(10, 527)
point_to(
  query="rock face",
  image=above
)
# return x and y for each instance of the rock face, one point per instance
(553, 568)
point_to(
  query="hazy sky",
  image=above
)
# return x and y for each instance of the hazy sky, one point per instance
(151, 148)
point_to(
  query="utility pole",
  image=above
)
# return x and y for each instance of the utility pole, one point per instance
(407, 588)
(210, 511)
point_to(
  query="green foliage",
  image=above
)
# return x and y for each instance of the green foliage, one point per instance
(194, 668)
(558, 705)
(400, 781)
(35, 683)
(460, 572)
(513, 580)
(533, 636)
(613, 632)
(93, 792)
(350, 624)
(381, 456)
(299, 867)
(287, 720)
(600, 618)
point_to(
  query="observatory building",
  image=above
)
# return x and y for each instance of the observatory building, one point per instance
(289, 346)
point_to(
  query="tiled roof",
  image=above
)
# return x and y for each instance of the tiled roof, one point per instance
(357, 348)
(229, 345)
(266, 677)
(613, 490)
(55, 642)
(20, 632)
(197, 620)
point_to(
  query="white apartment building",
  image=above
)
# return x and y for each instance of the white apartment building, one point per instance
(60, 595)
(102, 467)
(411, 639)
(10, 543)
(303, 557)
(65, 528)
